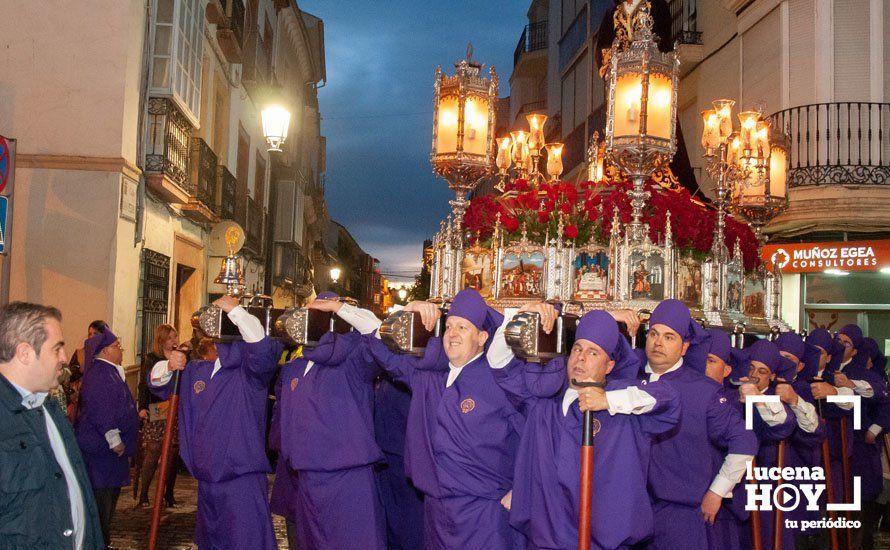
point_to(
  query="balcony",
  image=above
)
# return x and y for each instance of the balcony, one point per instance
(230, 33)
(256, 67)
(839, 165)
(256, 221)
(201, 206)
(684, 33)
(287, 265)
(573, 41)
(167, 155)
(532, 39)
(226, 185)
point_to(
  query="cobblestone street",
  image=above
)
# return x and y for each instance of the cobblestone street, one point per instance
(129, 530)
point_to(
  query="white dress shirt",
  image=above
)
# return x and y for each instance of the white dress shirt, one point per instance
(75, 496)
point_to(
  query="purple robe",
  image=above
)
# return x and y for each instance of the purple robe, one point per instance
(105, 404)
(222, 422)
(460, 447)
(327, 437)
(681, 468)
(546, 491)
(285, 484)
(402, 502)
(768, 438)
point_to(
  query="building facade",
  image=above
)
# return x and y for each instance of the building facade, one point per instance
(138, 148)
(819, 68)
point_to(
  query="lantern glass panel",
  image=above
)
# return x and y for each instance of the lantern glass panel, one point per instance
(628, 92)
(476, 126)
(658, 110)
(276, 120)
(446, 129)
(777, 171)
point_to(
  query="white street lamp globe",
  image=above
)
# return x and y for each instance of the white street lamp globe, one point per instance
(276, 120)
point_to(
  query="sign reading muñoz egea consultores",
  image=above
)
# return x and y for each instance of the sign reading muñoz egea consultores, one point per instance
(815, 257)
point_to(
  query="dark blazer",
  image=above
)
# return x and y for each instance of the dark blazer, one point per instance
(34, 508)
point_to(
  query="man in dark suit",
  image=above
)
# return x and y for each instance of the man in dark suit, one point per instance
(45, 495)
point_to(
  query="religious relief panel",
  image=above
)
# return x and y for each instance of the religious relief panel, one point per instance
(755, 296)
(646, 276)
(689, 282)
(591, 274)
(522, 275)
(477, 271)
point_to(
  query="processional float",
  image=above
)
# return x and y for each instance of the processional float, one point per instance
(604, 240)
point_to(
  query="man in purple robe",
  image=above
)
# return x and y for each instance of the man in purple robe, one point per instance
(686, 488)
(222, 426)
(843, 375)
(772, 422)
(463, 429)
(107, 423)
(402, 501)
(546, 492)
(804, 447)
(325, 401)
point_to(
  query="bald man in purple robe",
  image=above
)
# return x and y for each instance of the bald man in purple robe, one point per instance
(463, 429)
(325, 415)
(687, 489)
(626, 413)
(222, 428)
(107, 424)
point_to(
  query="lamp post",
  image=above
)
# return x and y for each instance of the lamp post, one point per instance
(641, 119)
(463, 131)
(335, 275)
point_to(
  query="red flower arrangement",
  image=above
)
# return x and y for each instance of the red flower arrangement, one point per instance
(587, 210)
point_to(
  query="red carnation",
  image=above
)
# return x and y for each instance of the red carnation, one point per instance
(521, 185)
(511, 224)
(571, 231)
(543, 216)
(565, 208)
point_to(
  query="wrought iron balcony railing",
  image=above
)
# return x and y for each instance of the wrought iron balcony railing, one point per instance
(684, 22)
(203, 173)
(533, 38)
(837, 143)
(226, 185)
(168, 142)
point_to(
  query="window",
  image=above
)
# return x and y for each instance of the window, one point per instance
(155, 289)
(176, 53)
(241, 173)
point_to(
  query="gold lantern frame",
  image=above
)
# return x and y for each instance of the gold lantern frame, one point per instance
(641, 154)
(463, 170)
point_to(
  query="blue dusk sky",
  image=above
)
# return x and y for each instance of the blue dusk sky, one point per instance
(377, 109)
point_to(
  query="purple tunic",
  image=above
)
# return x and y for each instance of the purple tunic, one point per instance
(327, 437)
(105, 404)
(681, 467)
(402, 502)
(222, 423)
(546, 490)
(460, 447)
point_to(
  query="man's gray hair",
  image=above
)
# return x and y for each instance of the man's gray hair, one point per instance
(24, 322)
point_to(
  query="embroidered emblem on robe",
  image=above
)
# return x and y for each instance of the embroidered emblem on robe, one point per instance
(467, 405)
(199, 386)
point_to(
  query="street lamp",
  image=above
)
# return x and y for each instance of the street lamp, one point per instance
(335, 274)
(641, 117)
(463, 128)
(403, 294)
(276, 120)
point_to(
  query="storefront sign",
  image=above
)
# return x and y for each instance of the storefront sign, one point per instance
(817, 257)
